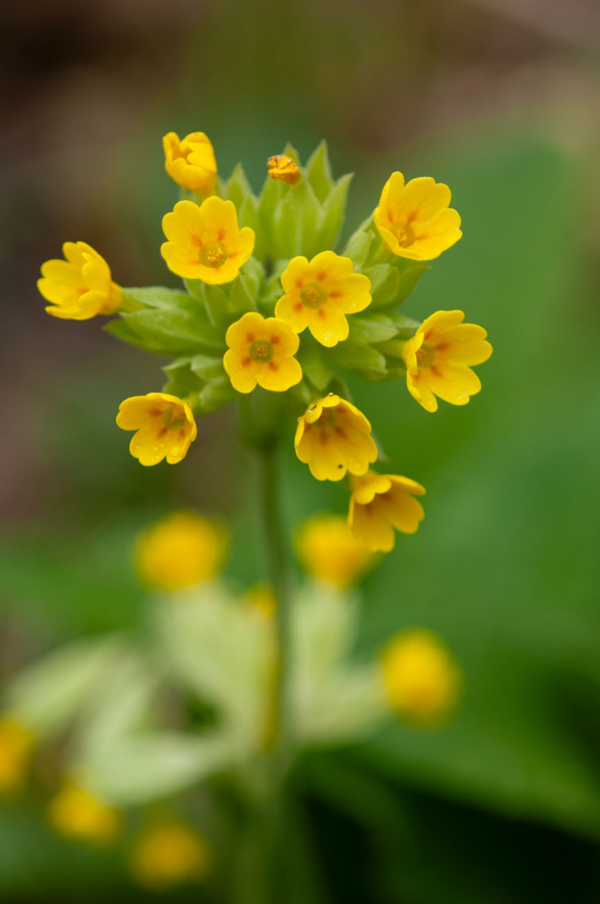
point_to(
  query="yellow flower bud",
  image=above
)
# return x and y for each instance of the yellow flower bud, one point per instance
(283, 167)
(421, 677)
(181, 550)
(329, 550)
(190, 161)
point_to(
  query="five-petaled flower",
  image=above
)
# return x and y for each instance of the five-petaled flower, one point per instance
(319, 293)
(205, 242)
(168, 853)
(79, 287)
(280, 166)
(77, 813)
(333, 437)
(165, 427)
(438, 358)
(180, 550)
(380, 503)
(190, 161)
(261, 351)
(414, 220)
(329, 550)
(420, 675)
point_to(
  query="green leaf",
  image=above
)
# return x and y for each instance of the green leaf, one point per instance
(214, 395)
(314, 367)
(385, 283)
(160, 297)
(333, 214)
(207, 367)
(238, 188)
(367, 327)
(318, 172)
(182, 381)
(410, 274)
(295, 222)
(172, 331)
(358, 246)
(361, 359)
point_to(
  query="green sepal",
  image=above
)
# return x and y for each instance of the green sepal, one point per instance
(237, 188)
(318, 172)
(169, 330)
(295, 220)
(227, 303)
(332, 215)
(314, 367)
(303, 392)
(160, 297)
(385, 284)
(363, 360)
(290, 151)
(366, 328)
(216, 393)
(359, 243)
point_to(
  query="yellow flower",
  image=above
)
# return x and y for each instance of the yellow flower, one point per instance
(169, 853)
(78, 814)
(380, 503)
(438, 358)
(204, 241)
(329, 550)
(334, 437)
(165, 426)
(319, 294)
(261, 351)
(420, 675)
(191, 161)
(181, 550)
(414, 220)
(283, 167)
(16, 744)
(80, 286)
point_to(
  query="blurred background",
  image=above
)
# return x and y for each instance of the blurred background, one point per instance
(497, 98)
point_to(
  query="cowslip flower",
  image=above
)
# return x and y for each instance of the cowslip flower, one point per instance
(380, 503)
(414, 220)
(190, 161)
(205, 242)
(280, 166)
(438, 357)
(319, 293)
(330, 552)
(169, 853)
(16, 743)
(261, 351)
(334, 437)
(180, 550)
(165, 427)
(421, 677)
(80, 815)
(79, 287)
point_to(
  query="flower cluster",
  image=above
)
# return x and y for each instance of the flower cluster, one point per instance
(267, 305)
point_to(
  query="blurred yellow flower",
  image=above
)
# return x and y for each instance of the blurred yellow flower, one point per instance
(421, 677)
(205, 242)
(438, 357)
(333, 437)
(414, 220)
(80, 286)
(16, 744)
(262, 599)
(319, 294)
(329, 550)
(380, 503)
(261, 351)
(165, 427)
(78, 814)
(169, 853)
(180, 550)
(190, 161)
(280, 166)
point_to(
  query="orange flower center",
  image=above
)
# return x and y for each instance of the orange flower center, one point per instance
(312, 295)
(261, 351)
(213, 254)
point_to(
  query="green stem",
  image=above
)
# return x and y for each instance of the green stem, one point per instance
(278, 724)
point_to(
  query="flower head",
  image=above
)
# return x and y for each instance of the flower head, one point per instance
(414, 220)
(16, 744)
(80, 286)
(420, 675)
(283, 167)
(165, 427)
(329, 550)
(333, 437)
(438, 358)
(169, 853)
(205, 242)
(191, 161)
(319, 294)
(380, 503)
(180, 550)
(78, 814)
(261, 350)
